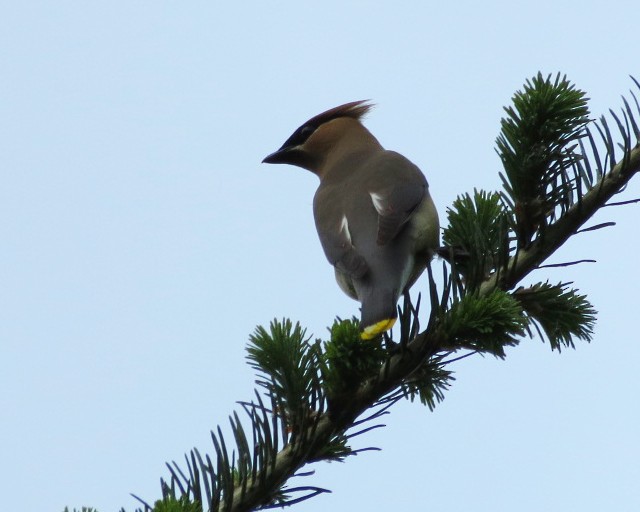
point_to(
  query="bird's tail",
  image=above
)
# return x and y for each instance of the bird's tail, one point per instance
(378, 313)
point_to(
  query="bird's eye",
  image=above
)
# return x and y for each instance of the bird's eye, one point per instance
(306, 131)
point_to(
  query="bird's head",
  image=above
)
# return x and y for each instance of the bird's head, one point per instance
(315, 141)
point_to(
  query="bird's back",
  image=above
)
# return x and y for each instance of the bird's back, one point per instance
(352, 198)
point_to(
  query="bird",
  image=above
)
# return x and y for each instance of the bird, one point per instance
(376, 220)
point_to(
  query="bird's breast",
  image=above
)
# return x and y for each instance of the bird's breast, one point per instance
(424, 227)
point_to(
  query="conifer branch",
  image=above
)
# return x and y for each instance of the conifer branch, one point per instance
(555, 235)
(555, 181)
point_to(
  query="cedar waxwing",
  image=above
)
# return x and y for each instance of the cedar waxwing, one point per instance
(375, 218)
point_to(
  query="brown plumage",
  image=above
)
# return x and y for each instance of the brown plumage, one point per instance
(375, 218)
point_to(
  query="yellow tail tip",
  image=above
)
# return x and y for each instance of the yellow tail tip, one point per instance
(371, 331)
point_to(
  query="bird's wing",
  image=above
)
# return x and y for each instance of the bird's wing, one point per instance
(397, 189)
(335, 237)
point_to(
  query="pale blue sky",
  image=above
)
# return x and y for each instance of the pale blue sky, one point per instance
(142, 242)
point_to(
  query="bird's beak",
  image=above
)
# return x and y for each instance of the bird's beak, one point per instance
(276, 157)
(272, 158)
(282, 156)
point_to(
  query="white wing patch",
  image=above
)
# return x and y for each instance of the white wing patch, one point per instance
(344, 228)
(378, 203)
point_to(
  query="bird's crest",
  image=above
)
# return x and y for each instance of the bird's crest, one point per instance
(354, 109)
